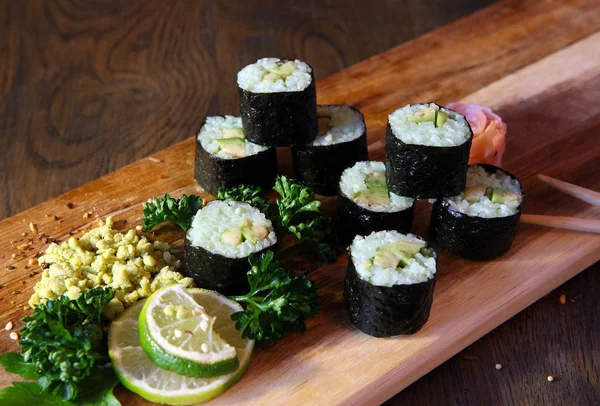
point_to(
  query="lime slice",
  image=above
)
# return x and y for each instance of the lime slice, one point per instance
(140, 375)
(177, 334)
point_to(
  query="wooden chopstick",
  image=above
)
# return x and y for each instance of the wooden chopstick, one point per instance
(569, 223)
(579, 192)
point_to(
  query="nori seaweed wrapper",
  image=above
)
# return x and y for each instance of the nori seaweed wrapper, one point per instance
(423, 171)
(383, 311)
(212, 173)
(473, 237)
(216, 272)
(353, 219)
(320, 166)
(280, 119)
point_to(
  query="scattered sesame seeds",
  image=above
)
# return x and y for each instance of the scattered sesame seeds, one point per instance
(14, 336)
(498, 366)
(177, 333)
(8, 326)
(204, 347)
(31, 261)
(139, 228)
(154, 159)
(33, 228)
(87, 215)
(550, 378)
(13, 255)
(203, 325)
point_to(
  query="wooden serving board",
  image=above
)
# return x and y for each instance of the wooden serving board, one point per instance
(536, 62)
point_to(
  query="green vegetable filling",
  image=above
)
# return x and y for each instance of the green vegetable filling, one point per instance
(429, 114)
(397, 255)
(376, 191)
(280, 72)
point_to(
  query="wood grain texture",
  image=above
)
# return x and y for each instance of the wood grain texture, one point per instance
(547, 135)
(88, 87)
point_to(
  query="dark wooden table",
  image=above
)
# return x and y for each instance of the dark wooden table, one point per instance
(88, 87)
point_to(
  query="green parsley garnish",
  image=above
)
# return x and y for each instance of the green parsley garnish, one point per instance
(178, 211)
(276, 302)
(247, 194)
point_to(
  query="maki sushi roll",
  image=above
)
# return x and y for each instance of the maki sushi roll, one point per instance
(225, 158)
(389, 283)
(341, 141)
(217, 245)
(427, 151)
(481, 222)
(278, 102)
(365, 205)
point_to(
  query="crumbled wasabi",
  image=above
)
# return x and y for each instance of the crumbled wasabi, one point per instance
(130, 264)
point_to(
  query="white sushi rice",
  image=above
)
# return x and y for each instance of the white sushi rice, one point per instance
(211, 131)
(363, 250)
(454, 132)
(219, 215)
(251, 77)
(478, 176)
(346, 123)
(353, 181)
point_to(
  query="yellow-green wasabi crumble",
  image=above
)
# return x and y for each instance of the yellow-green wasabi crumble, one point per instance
(130, 264)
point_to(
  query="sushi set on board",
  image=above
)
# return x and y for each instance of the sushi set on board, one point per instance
(385, 159)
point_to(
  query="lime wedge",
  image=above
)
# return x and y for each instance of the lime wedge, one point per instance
(178, 334)
(140, 375)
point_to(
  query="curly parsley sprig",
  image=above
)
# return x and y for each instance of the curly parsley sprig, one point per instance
(300, 214)
(179, 211)
(247, 194)
(65, 341)
(276, 302)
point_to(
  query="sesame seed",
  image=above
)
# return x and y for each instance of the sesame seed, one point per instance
(498, 366)
(8, 326)
(177, 333)
(550, 378)
(14, 336)
(31, 261)
(204, 347)
(33, 228)
(203, 325)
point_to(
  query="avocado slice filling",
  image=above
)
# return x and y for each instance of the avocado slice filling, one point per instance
(429, 114)
(376, 192)
(247, 232)
(497, 195)
(232, 133)
(502, 196)
(397, 255)
(233, 146)
(281, 71)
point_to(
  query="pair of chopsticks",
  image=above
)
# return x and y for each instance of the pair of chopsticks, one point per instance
(570, 223)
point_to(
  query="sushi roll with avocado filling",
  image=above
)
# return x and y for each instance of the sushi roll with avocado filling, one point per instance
(427, 151)
(365, 204)
(341, 142)
(481, 222)
(389, 283)
(222, 236)
(278, 102)
(225, 158)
